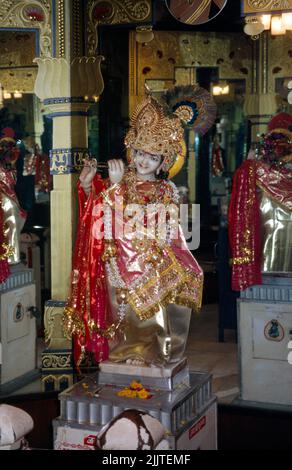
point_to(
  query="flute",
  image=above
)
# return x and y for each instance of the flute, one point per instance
(81, 165)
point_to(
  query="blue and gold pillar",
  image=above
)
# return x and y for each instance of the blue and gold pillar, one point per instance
(67, 89)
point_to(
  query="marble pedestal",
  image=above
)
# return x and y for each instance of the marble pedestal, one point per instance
(181, 400)
(168, 377)
(18, 330)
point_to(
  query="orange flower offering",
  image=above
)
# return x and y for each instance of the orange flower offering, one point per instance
(136, 390)
(136, 385)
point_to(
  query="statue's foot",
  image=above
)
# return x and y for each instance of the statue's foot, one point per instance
(135, 362)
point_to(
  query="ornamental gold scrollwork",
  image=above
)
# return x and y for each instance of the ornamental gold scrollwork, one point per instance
(28, 15)
(266, 5)
(54, 336)
(49, 326)
(56, 361)
(114, 12)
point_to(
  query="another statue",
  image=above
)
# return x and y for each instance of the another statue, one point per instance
(136, 288)
(12, 217)
(260, 212)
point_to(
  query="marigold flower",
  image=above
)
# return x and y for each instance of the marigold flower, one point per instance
(131, 394)
(143, 394)
(136, 385)
(136, 390)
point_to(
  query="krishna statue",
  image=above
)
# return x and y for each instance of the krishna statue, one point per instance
(134, 280)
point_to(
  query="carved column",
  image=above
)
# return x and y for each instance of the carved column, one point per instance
(67, 89)
(67, 102)
(260, 105)
(192, 170)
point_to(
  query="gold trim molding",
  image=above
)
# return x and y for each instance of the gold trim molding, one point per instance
(119, 12)
(61, 28)
(77, 38)
(257, 6)
(12, 15)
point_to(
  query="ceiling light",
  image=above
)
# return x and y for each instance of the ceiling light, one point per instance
(144, 34)
(277, 26)
(287, 21)
(266, 21)
(253, 26)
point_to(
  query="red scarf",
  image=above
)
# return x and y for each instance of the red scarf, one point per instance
(244, 228)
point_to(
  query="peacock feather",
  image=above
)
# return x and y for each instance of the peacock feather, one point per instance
(193, 105)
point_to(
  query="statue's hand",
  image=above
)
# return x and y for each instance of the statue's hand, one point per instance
(116, 170)
(87, 174)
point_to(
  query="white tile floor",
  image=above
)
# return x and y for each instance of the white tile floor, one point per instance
(205, 353)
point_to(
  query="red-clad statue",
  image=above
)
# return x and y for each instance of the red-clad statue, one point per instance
(260, 215)
(133, 289)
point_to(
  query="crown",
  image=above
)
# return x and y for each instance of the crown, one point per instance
(159, 129)
(154, 132)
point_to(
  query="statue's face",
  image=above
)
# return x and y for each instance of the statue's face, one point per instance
(146, 164)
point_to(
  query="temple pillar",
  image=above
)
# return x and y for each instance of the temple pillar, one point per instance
(192, 167)
(67, 88)
(259, 109)
(260, 104)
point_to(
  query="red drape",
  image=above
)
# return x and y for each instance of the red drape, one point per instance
(88, 299)
(244, 228)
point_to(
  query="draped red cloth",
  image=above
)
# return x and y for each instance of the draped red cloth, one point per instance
(244, 228)
(244, 219)
(88, 298)
(4, 267)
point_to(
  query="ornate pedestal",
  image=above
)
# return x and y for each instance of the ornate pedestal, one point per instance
(18, 330)
(57, 360)
(181, 401)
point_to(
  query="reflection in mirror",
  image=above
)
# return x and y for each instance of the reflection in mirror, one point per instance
(229, 145)
(195, 12)
(25, 184)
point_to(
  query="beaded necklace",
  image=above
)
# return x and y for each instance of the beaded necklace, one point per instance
(154, 194)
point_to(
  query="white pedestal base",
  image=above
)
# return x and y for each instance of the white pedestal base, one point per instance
(17, 327)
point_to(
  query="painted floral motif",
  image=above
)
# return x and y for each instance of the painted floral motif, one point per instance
(34, 14)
